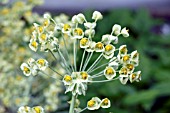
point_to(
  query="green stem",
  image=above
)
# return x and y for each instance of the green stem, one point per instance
(53, 55)
(82, 59)
(28, 89)
(65, 67)
(72, 104)
(67, 52)
(101, 72)
(103, 80)
(98, 67)
(55, 71)
(64, 62)
(95, 62)
(83, 110)
(75, 54)
(86, 63)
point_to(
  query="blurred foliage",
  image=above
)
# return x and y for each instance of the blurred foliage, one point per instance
(152, 94)
(17, 90)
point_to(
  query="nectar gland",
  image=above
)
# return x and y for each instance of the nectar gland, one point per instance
(108, 47)
(66, 27)
(84, 75)
(109, 71)
(83, 41)
(67, 78)
(99, 45)
(78, 31)
(26, 70)
(91, 103)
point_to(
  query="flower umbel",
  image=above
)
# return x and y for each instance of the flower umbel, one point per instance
(77, 77)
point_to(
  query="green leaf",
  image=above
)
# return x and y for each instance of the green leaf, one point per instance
(162, 75)
(141, 97)
(162, 88)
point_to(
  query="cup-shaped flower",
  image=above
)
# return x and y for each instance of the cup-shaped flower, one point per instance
(46, 22)
(122, 50)
(74, 19)
(84, 76)
(109, 49)
(99, 47)
(81, 18)
(90, 32)
(26, 69)
(109, 73)
(133, 77)
(139, 78)
(123, 72)
(107, 39)
(66, 28)
(33, 45)
(135, 55)
(84, 43)
(116, 29)
(47, 16)
(33, 66)
(62, 18)
(43, 38)
(91, 46)
(124, 75)
(105, 103)
(78, 33)
(37, 109)
(67, 80)
(42, 64)
(89, 25)
(97, 15)
(24, 109)
(124, 32)
(94, 103)
(125, 59)
(130, 67)
(58, 27)
(136, 76)
(135, 58)
(30, 67)
(51, 44)
(123, 80)
(31, 62)
(40, 29)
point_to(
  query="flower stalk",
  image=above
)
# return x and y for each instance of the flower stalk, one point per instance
(72, 104)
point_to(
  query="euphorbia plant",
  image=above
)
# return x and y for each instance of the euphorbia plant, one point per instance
(81, 32)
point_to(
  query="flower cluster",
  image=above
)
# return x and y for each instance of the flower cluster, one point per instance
(128, 62)
(95, 103)
(16, 21)
(32, 66)
(44, 36)
(82, 33)
(27, 109)
(124, 64)
(76, 82)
